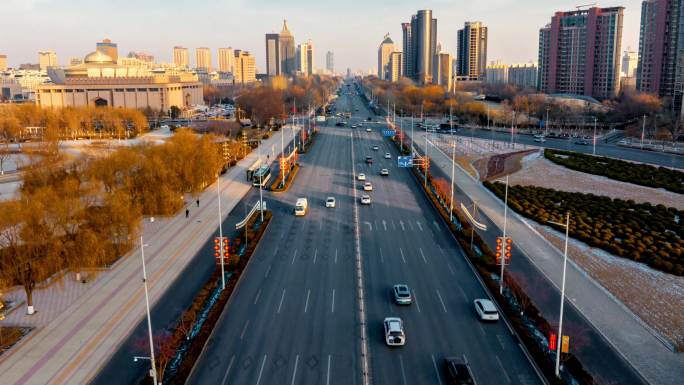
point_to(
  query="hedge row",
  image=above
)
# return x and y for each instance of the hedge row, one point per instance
(638, 231)
(641, 174)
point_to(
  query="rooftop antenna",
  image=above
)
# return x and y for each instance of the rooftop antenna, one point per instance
(585, 5)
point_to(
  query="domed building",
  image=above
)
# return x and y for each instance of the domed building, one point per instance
(101, 80)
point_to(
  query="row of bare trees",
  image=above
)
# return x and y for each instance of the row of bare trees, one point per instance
(86, 215)
(69, 122)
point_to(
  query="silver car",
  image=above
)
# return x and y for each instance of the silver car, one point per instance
(402, 294)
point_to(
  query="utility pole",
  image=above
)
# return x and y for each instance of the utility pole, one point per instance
(401, 136)
(594, 150)
(220, 219)
(425, 161)
(453, 165)
(261, 184)
(147, 308)
(546, 125)
(560, 322)
(503, 259)
(643, 130)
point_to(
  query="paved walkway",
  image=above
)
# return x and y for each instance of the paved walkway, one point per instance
(622, 328)
(84, 323)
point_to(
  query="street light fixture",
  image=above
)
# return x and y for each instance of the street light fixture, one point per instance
(153, 370)
(562, 303)
(501, 279)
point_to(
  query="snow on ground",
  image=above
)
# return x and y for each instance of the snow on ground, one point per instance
(539, 171)
(655, 297)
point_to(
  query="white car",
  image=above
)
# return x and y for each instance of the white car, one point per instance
(394, 331)
(540, 139)
(388, 155)
(330, 202)
(384, 172)
(368, 130)
(486, 310)
(367, 186)
(365, 199)
(361, 176)
(376, 148)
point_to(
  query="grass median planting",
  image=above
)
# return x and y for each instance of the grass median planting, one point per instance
(636, 173)
(638, 231)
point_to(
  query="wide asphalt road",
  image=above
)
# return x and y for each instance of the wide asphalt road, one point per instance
(293, 318)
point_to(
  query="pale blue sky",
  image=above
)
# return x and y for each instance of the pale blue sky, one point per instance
(351, 28)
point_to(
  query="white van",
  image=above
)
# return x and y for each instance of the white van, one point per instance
(301, 206)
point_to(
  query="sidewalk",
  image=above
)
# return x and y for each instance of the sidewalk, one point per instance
(644, 351)
(78, 327)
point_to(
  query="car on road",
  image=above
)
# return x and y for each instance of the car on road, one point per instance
(486, 310)
(367, 186)
(340, 124)
(354, 126)
(368, 129)
(361, 176)
(402, 294)
(540, 139)
(394, 331)
(330, 202)
(457, 371)
(384, 172)
(388, 155)
(301, 207)
(365, 199)
(582, 142)
(369, 159)
(369, 119)
(376, 148)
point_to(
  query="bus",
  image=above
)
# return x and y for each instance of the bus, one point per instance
(261, 176)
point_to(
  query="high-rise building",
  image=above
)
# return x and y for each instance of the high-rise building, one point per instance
(305, 58)
(661, 51)
(384, 52)
(630, 61)
(273, 54)
(245, 68)
(445, 71)
(420, 46)
(47, 59)
(288, 62)
(3, 62)
(497, 73)
(579, 52)
(407, 46)
(181, 57)
(203, 58)
(108, 48)
(523, 75)
(330, 62)
(395, 66)
(142, 56)
(226, 59)
(472, 51)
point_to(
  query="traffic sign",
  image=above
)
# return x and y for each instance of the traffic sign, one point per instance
(405, 161)
(388, 132)
(565, 344)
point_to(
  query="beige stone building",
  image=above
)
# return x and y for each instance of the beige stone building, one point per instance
(101, 82)
(203, 58)
(181, 57)
(384, 52)
(47, 59)
(245, 68)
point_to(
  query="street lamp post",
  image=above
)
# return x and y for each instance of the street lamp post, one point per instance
(147, 308)
(594, 150)
(504, 236)
(562, 303)
(453, 164)
(220, 220)
(546, 125)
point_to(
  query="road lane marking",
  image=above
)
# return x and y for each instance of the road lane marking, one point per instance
(230, 365)
(481, 329)
(294, 372)
(384, 224)
(402, 255)
(434, 365)
(268, 271)
(261, 371)
(370, 225)
(436, 225)
(306, 305)
(422, 255)
(320, 225)
(294, 256)
(315, 255)
(465, 297)
(508, 379)
(410, 225)
(415, 297)
(336, 256)
(382, 258)
(501, 341)
(276, 251)
(332, 307)
(401, 223)
(451, 269)
(403, 374)
(282, 297)
(257, 297)
(441, 300)
(394, 227)
(327, 380)
(419, 226)
(244, 329)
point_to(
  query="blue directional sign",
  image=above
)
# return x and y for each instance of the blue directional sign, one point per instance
(388, 132)
(405, 161)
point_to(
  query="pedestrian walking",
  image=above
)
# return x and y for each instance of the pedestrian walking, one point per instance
(187, 212)
(198, 203)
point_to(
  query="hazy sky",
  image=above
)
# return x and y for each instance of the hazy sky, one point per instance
(352, 29)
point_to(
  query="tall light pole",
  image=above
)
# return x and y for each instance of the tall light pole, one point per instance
(643, 130)
(261, 184)
(594, 150)
(401, 129)
(220, 221)
(147, 308)
(453, 164)
(412, 115)
(546, 125)
(501, 280)
(562, 303)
